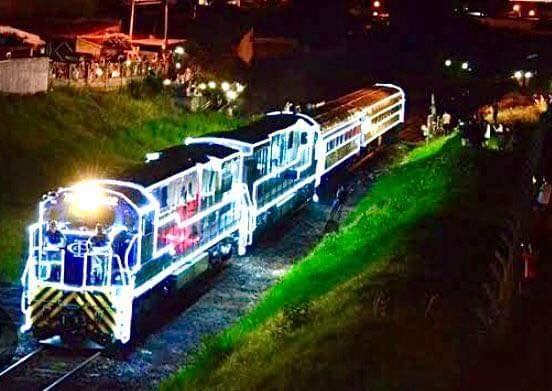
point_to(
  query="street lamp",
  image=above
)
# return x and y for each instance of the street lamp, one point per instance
(448, 62)
(465, 65)
(523, 77)
(231, 95)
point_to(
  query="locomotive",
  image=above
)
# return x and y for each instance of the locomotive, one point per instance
(101, 245)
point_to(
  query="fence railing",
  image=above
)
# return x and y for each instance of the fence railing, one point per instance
(101, 74)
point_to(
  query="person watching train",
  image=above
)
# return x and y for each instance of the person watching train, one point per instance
(98, 240)
(54, 243)
(98, 247)
(54, 237)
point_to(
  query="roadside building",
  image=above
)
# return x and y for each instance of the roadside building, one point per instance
(23, 68)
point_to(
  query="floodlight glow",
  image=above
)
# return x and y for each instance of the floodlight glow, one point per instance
(179, 50)
(377, 4)
(516, 8)
(212, 84)
(448, 62)
(128, 63)
(375, 13)
(528, 75)
(86, 198)
(532, 13)
(225, 86)
(99, 72)
(518, 75)
(202, 86)
(231, 95)
(167, 82)
(178, 65)
(465, 65)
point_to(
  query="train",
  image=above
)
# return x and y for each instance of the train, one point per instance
(98, 248)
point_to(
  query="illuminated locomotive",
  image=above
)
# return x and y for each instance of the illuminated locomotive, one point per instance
(100, 246)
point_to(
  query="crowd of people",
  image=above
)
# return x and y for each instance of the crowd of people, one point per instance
(478, 132)
(90, 71)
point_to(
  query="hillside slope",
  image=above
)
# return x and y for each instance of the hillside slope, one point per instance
(327, 324)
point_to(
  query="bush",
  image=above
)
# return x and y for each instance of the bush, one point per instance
(150, 87)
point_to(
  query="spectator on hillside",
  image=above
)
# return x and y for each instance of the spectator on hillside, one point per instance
(543, 198)
(447, 121)
(495, 108)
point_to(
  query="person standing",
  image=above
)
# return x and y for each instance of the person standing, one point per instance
(55, 240)
(543, 198)
(495, 113)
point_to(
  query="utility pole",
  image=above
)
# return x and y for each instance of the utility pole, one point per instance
(166, 35)
(131, 29)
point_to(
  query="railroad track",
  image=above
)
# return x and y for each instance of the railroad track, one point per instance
(44, 369)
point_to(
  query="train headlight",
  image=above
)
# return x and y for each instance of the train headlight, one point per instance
(87, 198)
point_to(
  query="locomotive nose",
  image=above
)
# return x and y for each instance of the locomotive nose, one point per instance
(72, 322)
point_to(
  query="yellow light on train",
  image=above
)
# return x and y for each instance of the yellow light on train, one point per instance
(88, 197)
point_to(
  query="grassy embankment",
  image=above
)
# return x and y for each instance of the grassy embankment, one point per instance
(62, 137)
(328, 322)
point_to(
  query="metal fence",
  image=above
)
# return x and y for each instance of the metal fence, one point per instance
(101, 74)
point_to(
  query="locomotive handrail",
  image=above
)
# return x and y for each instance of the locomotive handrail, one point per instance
(129, 248)
(122, 271)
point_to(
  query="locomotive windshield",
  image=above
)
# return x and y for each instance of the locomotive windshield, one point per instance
(87, 207)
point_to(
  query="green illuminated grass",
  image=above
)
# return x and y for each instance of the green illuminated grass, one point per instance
(64, 136)
(313, 321)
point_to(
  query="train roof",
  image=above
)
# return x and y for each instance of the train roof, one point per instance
(260, 129)
(174, 160)
(345, 107)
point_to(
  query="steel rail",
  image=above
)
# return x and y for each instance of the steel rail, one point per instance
(21, 361)
(72, 371)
